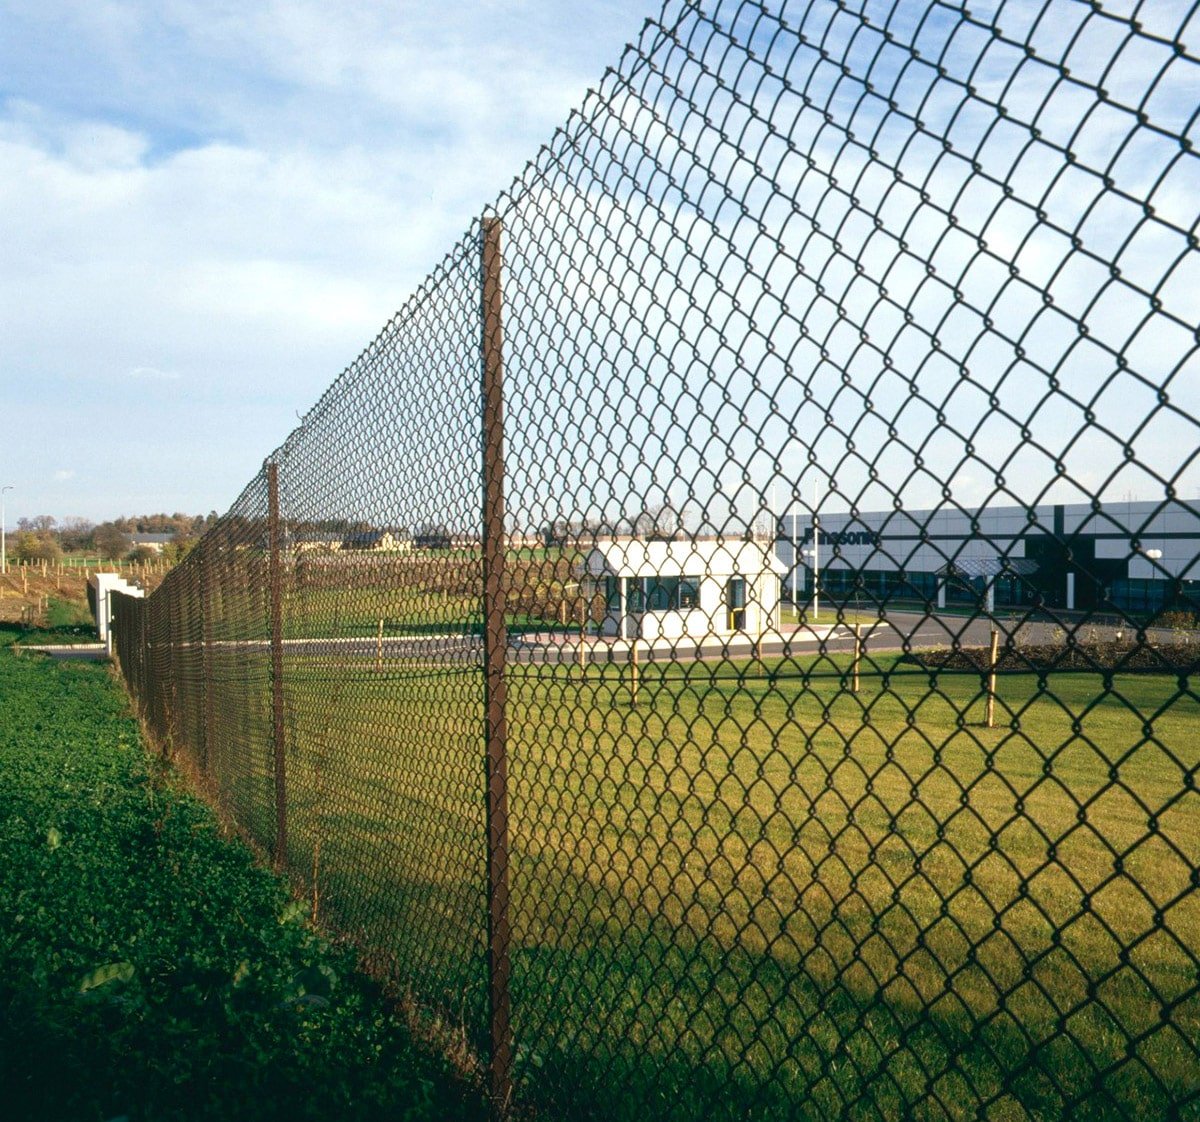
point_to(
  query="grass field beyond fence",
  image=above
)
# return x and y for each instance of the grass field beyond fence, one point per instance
(758, 889)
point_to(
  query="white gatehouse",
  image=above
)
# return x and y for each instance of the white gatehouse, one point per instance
(692, 589)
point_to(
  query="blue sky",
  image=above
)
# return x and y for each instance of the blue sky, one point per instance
(207, 209)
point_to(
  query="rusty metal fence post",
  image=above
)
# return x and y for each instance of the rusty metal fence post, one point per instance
(206, 639)
(277, 729)
(495, 647)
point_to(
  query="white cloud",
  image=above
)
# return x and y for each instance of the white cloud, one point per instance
(63, 474)
(247, 193)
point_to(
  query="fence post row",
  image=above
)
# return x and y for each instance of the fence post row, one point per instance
(276, 592)
(732, 903)
(495, 647)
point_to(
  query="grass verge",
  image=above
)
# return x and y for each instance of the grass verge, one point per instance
(148, 968)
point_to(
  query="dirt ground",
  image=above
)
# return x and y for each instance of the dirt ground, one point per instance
(28, 592)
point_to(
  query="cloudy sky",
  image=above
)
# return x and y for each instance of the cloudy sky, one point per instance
(208, 208)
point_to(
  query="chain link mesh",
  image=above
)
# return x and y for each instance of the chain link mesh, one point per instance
(848, 612)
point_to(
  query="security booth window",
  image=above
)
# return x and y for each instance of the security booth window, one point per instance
(666, 594)
(612, 593)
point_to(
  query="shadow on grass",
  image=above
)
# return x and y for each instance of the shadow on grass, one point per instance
(62, 634)
(683, 1032)
(633, 1020)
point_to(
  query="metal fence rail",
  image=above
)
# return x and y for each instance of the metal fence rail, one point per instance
(730, 641)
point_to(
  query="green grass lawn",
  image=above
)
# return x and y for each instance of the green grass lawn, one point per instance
(66, 622)
(756, 894)
(67, 614)
(148, 969)
(828, 615)
(358, 612)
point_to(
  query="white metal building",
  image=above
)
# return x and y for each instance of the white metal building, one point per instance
(1128, 556)
(101, 586)
(691, 589)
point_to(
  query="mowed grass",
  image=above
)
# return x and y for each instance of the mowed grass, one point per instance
(319, 612)
(757, 894)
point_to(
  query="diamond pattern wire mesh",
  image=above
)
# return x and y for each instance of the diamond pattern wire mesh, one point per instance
(842, 661)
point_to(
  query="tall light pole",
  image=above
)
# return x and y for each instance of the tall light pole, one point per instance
(4, 529)
(815, 554)
(795, 567)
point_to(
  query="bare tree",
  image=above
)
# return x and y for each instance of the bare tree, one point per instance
(658, 520)
(110, 540)
(75, 533)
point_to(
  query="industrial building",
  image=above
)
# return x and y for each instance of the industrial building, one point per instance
(1138, 557)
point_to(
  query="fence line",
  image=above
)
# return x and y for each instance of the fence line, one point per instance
(734, 651)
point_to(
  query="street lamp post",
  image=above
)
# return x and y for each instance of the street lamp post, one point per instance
(4, 529)
(815, 554)
(795, 567)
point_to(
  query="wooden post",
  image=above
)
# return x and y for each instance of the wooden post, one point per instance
(316, 880)
(991, 681)
(857, 656)
(379, 650)
(582, 634)
(277, 727)
(495, 651)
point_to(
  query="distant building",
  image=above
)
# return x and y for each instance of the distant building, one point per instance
(156, 542)
(432, 537)
(377, 541)
(692, 589)
(1127, 556)
(316, 541)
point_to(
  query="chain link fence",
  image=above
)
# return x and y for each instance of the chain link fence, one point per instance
(729, 643)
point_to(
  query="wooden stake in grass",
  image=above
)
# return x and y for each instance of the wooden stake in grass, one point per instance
(379, 650)
(857, 656)
(991, 681)
(582, 635)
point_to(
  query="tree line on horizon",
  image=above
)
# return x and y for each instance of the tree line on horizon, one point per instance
(45, 538)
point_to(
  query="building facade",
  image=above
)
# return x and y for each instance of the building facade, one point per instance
(1141, 557)
(690, 589)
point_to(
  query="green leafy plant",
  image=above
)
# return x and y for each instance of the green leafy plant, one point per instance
(149, 969)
